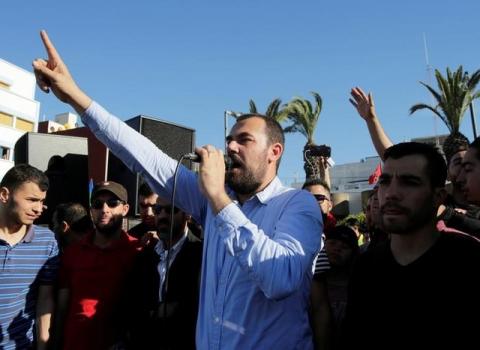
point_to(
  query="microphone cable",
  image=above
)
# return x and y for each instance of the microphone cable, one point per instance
(170, 238)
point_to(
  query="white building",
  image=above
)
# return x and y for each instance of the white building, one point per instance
(18, 110)
(353, 177)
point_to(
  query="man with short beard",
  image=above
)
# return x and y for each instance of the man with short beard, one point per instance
(454, 212)
(93, 274)
(166, 313)
(260, 236)
(420, 288)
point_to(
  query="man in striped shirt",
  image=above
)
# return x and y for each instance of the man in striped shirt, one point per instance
(320, 312)
(29, 261)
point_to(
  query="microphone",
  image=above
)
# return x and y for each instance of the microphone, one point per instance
(194, 157)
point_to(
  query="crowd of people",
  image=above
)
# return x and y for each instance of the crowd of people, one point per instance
(238, 260)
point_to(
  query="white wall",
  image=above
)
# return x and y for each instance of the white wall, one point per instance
(5, 165)
(21, 82)
(17, 100)
(19, 106)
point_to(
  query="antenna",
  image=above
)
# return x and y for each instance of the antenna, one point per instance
(429, 82)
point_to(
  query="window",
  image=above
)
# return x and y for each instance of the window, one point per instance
(6, 119)
(4, 153)
(24, 125)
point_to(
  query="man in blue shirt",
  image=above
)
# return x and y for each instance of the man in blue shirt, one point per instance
(29, 261)
(260, 237)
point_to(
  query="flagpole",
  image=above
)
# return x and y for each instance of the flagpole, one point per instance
(429, 81)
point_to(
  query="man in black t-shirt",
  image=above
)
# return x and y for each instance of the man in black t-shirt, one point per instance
(421, 288)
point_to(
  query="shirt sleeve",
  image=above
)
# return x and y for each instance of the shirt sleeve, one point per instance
(142, 156)
(49, 271)
(277, 261)
(461, 222)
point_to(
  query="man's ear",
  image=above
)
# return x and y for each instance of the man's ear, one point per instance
(126, 207)
(276, 151)
(65, 226)
(4, 195)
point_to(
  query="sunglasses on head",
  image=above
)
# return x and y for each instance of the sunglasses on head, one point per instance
(157, 209)
(321, 197)
(111, 203)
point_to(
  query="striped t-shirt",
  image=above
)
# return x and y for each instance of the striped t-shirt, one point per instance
(321, 264)
(31, 262)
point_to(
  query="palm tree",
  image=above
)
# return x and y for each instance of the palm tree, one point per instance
(304, 118)
(274, 110)
(453, 98)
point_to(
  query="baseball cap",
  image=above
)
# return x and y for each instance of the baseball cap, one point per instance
(110, 186)
(345, 234)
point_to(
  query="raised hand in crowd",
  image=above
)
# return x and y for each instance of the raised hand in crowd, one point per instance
(363, 103)
(365, 106)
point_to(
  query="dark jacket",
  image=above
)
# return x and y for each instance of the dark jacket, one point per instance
(149, 328)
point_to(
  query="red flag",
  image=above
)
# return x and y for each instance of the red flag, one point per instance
(375, 175)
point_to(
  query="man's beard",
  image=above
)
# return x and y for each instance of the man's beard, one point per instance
(410, 220)
(246, 181)
(112, 227)
(164, 231)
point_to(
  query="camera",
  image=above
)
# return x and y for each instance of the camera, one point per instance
(319, 151)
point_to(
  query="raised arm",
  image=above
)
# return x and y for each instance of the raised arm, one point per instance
(365, 107)
(52, 74)
(138, 153)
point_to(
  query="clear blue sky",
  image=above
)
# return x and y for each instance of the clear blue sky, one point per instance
(188, 61)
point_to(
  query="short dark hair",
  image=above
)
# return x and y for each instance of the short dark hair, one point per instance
(22, 173)
(436, 166)
(145, 190)
(272, 127)
(476, 145)
(454, 143)
(316, 182)
(73, 214)
(273, 130)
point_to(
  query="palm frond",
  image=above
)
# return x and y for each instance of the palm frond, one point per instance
(272, 109)
(253, 107)
(455, 93)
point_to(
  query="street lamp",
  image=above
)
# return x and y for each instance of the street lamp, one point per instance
(227, 114)
(472, 114)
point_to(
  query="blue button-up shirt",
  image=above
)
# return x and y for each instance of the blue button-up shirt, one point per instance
(257, 257)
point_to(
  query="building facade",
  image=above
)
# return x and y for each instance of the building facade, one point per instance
(18, 110)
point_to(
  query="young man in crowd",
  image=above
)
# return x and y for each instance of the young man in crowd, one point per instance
(470, 177)
(320, 312)
(454, 213)
(421, 286)
(29, 258)
(146, 201)
(70, 222)
(260, 237)
(342, 248)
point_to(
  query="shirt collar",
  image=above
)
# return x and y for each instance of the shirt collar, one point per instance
(160, 248)
(270, 191)
(29, 235)
(267, 193)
